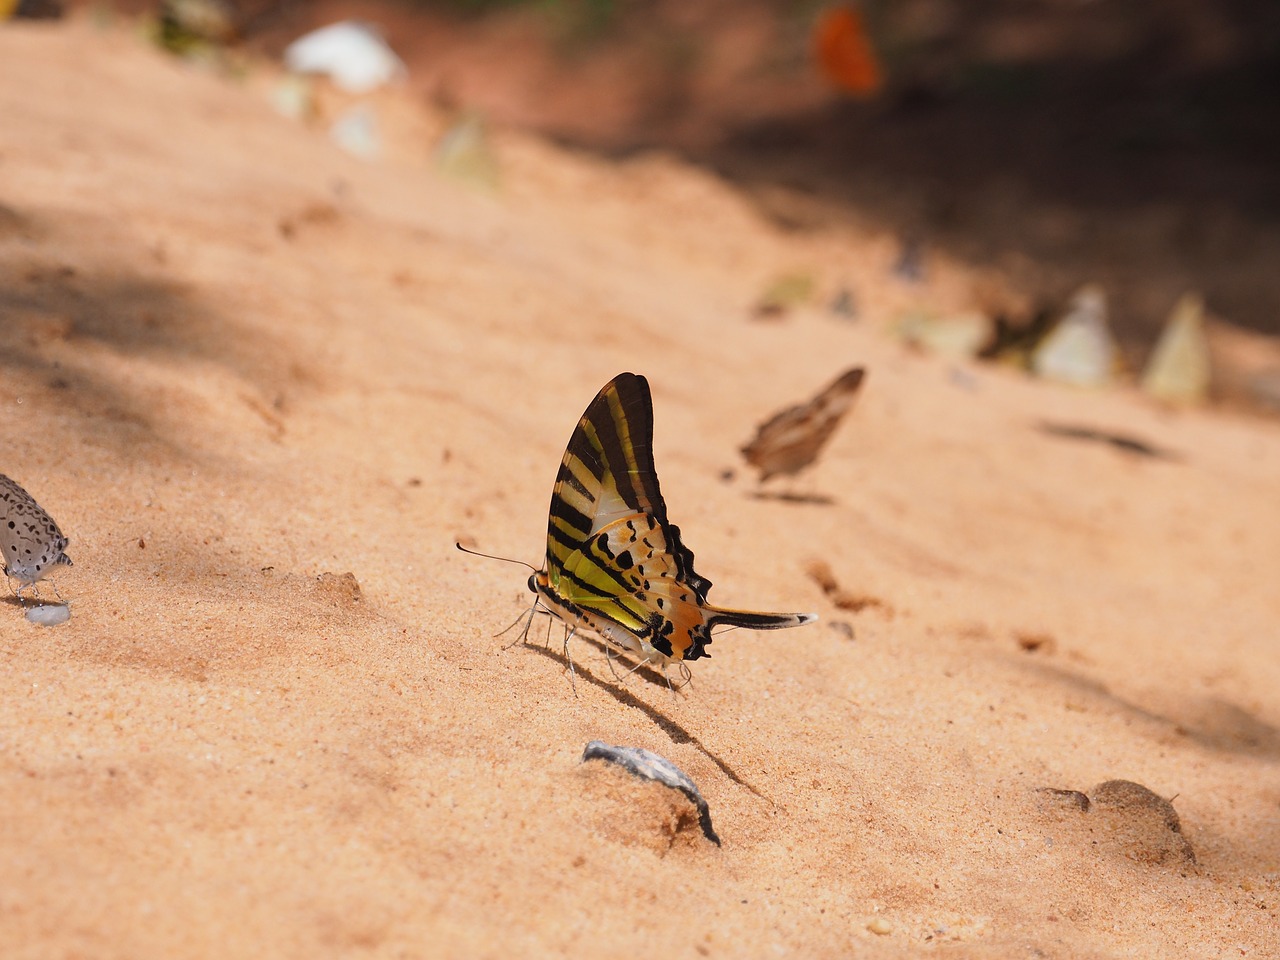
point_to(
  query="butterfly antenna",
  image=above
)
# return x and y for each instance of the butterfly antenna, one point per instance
(510, 625)
(490, 556)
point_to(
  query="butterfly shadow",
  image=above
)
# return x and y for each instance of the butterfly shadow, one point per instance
(15, 599)
(1119, 441)
(671, 728)
(792, 496)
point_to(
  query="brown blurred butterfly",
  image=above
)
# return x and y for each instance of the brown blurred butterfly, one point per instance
(789, 441)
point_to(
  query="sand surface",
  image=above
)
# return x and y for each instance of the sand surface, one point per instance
(264, 387)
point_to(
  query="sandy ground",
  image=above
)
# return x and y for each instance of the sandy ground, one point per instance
(264, 387)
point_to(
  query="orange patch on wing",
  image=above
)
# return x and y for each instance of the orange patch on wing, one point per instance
(844, 53)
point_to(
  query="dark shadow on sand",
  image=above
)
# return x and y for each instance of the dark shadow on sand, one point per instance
(789, 496)
(673, 730)
(75, 288)
(1126, 443)
(1209, 722)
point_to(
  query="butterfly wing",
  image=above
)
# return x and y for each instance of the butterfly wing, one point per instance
(607, 475)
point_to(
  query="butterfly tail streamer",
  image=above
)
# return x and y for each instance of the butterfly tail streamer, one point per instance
(754, 620)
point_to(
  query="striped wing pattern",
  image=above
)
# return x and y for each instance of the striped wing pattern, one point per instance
(615, 563)
(791, 440)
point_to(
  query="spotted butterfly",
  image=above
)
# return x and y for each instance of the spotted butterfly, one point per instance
(30, 541)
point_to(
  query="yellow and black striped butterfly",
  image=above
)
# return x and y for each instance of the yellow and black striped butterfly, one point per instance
(615, 563)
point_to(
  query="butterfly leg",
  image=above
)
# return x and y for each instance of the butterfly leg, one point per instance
(546, 643)
(18, 593)
(685, 678)
(573, 673)
(608, 654)
(686, 675)
(523, 636)
(609, 649)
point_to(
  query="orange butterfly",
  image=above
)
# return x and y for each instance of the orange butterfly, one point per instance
(844, 53)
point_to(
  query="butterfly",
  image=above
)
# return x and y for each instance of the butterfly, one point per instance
(30, 541)
(844, 52)
(790, 440)
(615, 563)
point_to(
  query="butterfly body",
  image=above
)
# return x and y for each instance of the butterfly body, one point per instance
(790, 440)
(615, 564)
(30, 541)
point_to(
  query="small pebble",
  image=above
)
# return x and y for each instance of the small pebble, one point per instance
(1126, 819)
(49, 614)
(651, 766)
(844, 304)
(783, 294)
(910, 263)
(880, 927)
(356, 131)
(466, 153)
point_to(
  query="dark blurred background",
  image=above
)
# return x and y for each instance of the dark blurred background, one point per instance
(1130, 142)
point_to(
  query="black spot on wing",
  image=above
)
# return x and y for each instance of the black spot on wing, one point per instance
(660, 629)
(701, 637)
